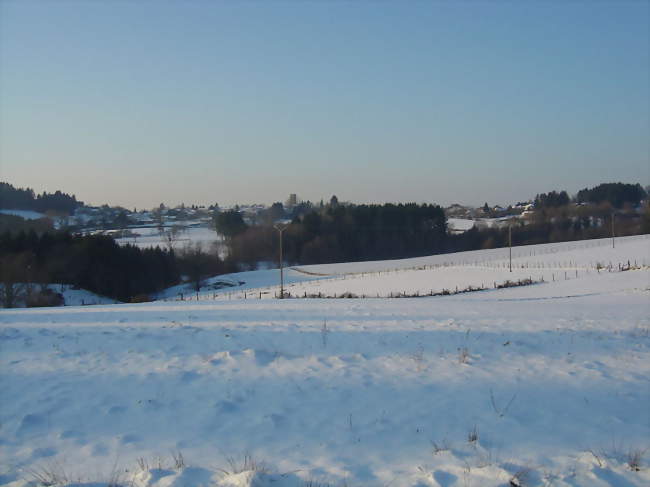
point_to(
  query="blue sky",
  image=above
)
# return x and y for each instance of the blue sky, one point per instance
(141, 102)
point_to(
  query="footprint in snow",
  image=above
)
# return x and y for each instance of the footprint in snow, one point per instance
(278, 420)
(262, 357)
(225, 407)
(220, 358)
(189, 376)
(99, 450)
(43, 452)
(445, 479)
(154, 475)
(69, 434)
(195, 476)
(117, 410)
(32, 424)
(612, 478)
(8, 478)
(150, 404)
(10, 334)
(129, 438)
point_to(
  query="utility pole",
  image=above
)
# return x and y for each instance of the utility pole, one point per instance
(613, 244)
(281, 227)
(510, 244)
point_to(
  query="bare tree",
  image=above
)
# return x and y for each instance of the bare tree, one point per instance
(172, 234)
(159, 218)
(13, 278)
(198, 265)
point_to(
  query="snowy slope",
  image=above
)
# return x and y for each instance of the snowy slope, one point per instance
(433, 274)
(539, 385)
(582, 253)
(238, 283)
(26, 214)
(71, 296)
(80, 297)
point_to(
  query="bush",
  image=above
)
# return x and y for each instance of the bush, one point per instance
(141, 298)
(43, 299)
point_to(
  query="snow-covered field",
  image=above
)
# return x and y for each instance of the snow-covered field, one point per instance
(26, 214)
(459, 225)
(433, 274)
(150, 237)
(543, 385)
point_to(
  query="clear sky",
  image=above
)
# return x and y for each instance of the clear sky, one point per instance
(141, 102)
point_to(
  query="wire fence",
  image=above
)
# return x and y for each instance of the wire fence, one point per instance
(273, 292)
(494, 259)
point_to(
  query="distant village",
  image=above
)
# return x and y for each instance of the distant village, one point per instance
(165, 225)
(123, 223)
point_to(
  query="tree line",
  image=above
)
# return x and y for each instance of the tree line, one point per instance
(347, 233)
(96, 263)
(617, 194)
(563, 224)
(338, 233)
(552, 199)
(26, 199)
(33, 252)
